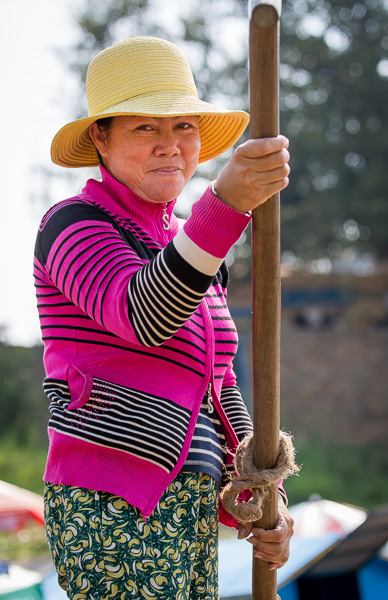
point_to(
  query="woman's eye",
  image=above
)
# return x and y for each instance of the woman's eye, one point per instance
(185, 125)
(144, 128)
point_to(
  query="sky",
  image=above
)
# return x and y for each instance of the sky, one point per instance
(31, 79)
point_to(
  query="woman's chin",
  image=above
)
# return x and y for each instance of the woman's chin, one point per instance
(165, 191)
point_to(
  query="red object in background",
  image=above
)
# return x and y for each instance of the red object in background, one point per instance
(17, 505)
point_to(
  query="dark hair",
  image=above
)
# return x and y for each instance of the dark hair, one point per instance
(103, 124)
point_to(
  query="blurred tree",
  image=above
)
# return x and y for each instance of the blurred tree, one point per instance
(23, 407)
(334, 84)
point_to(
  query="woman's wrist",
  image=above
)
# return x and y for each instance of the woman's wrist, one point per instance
(214, 225)
(215, 193)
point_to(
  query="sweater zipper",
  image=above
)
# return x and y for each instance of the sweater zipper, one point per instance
(210, 406)
(165, 217)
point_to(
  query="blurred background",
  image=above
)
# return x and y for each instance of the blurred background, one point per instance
(333, 107)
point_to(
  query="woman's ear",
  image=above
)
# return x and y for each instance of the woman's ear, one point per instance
(98, 136)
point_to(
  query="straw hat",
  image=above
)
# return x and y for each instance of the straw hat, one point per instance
(144, 76)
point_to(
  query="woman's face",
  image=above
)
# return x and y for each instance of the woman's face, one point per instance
(153, 156)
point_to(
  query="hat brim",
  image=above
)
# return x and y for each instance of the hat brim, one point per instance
(219, 128)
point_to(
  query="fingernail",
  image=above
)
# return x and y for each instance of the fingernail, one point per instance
(258, 555)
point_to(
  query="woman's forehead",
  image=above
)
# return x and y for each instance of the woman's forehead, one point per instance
(156, 119)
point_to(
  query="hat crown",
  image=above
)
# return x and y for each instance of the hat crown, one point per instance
(136, 66)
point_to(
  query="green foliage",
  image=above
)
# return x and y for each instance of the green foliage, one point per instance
(340, 472)
(23, 408)
(333, 90)
(22, 464)
(28, 544)
(23, 417)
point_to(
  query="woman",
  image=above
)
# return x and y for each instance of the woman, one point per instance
(139, 343)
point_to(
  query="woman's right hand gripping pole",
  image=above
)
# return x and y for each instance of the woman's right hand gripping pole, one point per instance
(257, 170)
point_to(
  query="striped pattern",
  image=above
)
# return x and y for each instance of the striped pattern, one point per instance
(88, 260)
(207, 450)
(82, 269)
(123, 225)
(236, 411)
(114, 300)
(62, 323)
(161, 300)
(149, 427)
(54, 209)
(238, 416)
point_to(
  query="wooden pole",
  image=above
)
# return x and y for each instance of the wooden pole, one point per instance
(264, 110)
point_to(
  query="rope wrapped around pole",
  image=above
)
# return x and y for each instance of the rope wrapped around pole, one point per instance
(257, 480)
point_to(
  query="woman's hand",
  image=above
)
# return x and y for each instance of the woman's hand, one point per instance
(271, 545)
(257, 170)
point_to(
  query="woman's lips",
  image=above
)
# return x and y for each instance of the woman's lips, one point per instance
(167, 170)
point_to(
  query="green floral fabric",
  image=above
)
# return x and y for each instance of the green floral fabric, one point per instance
(103, 548)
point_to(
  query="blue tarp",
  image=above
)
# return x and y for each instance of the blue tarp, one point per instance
(373, 580)
(51, 589)
(235, 562)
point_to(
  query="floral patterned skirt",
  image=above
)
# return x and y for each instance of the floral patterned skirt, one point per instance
(103, 548)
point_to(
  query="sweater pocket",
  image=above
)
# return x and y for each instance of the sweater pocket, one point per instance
(80, 386)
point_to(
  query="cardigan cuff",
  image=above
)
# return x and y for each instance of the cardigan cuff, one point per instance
(215, 226)
(199, 259)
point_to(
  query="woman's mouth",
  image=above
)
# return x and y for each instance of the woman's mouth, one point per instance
(167, 170)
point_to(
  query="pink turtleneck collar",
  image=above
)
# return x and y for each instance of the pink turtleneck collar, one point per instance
(121, 201)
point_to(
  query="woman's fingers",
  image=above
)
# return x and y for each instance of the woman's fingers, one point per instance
(275, 553)
(256, 171)
(273, 545)
(270, 176)
(260, 147)
(273, 562)
(255, 155)
(244, 530)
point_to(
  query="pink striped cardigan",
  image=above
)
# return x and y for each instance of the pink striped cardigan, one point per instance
(136, 331)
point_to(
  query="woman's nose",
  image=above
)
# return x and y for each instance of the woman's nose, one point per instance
(168, 145)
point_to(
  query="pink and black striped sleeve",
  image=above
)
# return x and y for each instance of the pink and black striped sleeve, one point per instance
(110, 275)
(162, 297)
